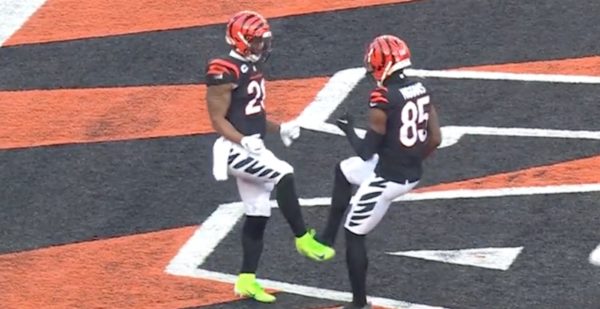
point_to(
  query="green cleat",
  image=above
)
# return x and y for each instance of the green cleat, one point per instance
(314, 250)
(247, 286)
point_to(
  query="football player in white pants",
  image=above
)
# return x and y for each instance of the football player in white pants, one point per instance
(235, 99)
(403, 130)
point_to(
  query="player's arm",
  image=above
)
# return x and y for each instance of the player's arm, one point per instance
(221, 80)
(365, 148)
(433, 132)
(218, 99)
(288, 131)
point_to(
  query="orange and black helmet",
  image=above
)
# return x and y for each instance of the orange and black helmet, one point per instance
(385, 55)
(249, 34)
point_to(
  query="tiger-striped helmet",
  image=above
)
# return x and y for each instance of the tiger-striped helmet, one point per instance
(249, 34)
(385, 55)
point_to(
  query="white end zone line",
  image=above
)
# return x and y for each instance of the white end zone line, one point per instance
(474, 193)
(305, 290)
(14, 14)
(331, 96)
(206, 238)
(465, 74)
(452, 134)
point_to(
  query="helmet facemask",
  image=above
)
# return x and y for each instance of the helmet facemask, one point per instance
(259, 47)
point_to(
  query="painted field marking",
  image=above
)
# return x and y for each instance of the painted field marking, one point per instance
(492, 258)
(191, 256)
(331, 96)
(523, 77)
(315, 115)
(452, 134)
(14, 14)
(595, 256)
(204, 241)
(201, 245)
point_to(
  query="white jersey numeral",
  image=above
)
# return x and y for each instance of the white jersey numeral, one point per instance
(412, 116)
(256, 89)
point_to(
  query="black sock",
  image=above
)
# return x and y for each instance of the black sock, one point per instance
(252, 242)
(340, 199)
(289, 205)
(357, 262)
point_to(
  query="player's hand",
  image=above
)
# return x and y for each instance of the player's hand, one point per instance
(345, 123)
(253, 143)
(289, 131)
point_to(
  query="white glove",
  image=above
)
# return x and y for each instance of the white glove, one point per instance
(253, 143)
(289, 131)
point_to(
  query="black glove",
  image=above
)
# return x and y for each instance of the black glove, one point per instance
(345, 123)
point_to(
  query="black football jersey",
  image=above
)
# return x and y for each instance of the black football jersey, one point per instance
(407, 105)
(247, 110)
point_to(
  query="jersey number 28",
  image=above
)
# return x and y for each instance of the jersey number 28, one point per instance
(257, 91)
(414, 122)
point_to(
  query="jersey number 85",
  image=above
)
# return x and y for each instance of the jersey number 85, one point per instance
(414, 122)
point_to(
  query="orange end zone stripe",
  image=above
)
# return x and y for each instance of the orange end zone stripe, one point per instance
(71, 19)
(574, 66)
(124, 272)
(50, 117)
(581, 171)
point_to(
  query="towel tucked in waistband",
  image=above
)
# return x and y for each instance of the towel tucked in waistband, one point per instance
(221, 150)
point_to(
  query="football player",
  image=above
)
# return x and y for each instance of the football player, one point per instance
(403, 130)
(236, 103)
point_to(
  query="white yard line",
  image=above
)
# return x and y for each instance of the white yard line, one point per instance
(303, 290)
(485, 75)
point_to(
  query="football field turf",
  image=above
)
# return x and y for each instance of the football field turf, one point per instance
(108, 201)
